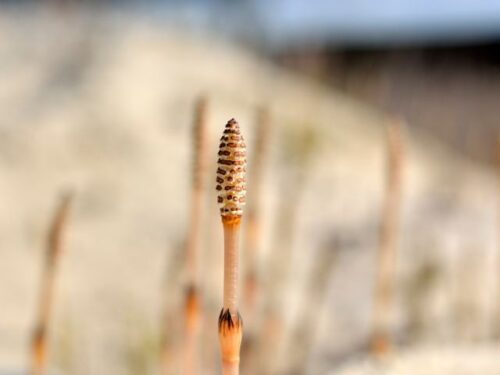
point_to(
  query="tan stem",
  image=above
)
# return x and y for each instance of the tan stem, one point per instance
(230, 368)
(199, 173)
(192, 297)
(192, 313)
(230, 324)
(253, 230)
(46, 294)
(193, 239)
(387, 253)
(231, 188)
(39, 339)
(231, 226)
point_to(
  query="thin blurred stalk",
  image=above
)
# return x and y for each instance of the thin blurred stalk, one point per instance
(170, 331)
(192, 298)
(302, 337)
(55, 236)
(253, 234)
(417, 293)
(253, 238)
(211, 276)
(200, 163)
(299, 147)
(272, 328)
(381, 342)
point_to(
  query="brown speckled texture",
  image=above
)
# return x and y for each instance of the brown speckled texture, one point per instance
(231, 171)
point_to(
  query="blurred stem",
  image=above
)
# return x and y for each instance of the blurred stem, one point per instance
(387, 251)
(198, 187)
(253, 226)
(312, 301)
(230, 368)
(192, 304)
(46, 294)
(192, 312)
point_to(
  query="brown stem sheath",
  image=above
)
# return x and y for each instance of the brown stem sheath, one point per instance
(230, 336)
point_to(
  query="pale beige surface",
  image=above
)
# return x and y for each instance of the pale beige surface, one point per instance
(431, 360)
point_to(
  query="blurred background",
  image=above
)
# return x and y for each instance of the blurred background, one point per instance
(374, 167)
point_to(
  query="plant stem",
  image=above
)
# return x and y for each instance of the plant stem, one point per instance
(253, 222)
(389, 227)
(192, 299)
(198, 187)
(46, 296)
(192, 312)
(230, 322)
(299, 147)
(231, 188)
(252, 283)
(303, 333)
(231, 263)
(230, 368)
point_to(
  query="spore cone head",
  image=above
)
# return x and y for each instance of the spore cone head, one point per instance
(231, 171)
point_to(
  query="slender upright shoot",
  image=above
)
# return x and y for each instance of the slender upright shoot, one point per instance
(192, 298)
(302, 335)
(231, 192)
(387, 249)
(200, 160)
(301, 144)
(54, 245)
(253, 237)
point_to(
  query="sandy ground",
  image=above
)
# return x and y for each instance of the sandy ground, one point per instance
(429, 360)
(104, 106)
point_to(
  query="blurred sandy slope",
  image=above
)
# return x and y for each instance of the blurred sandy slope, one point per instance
(103, 104)
(432, 360)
